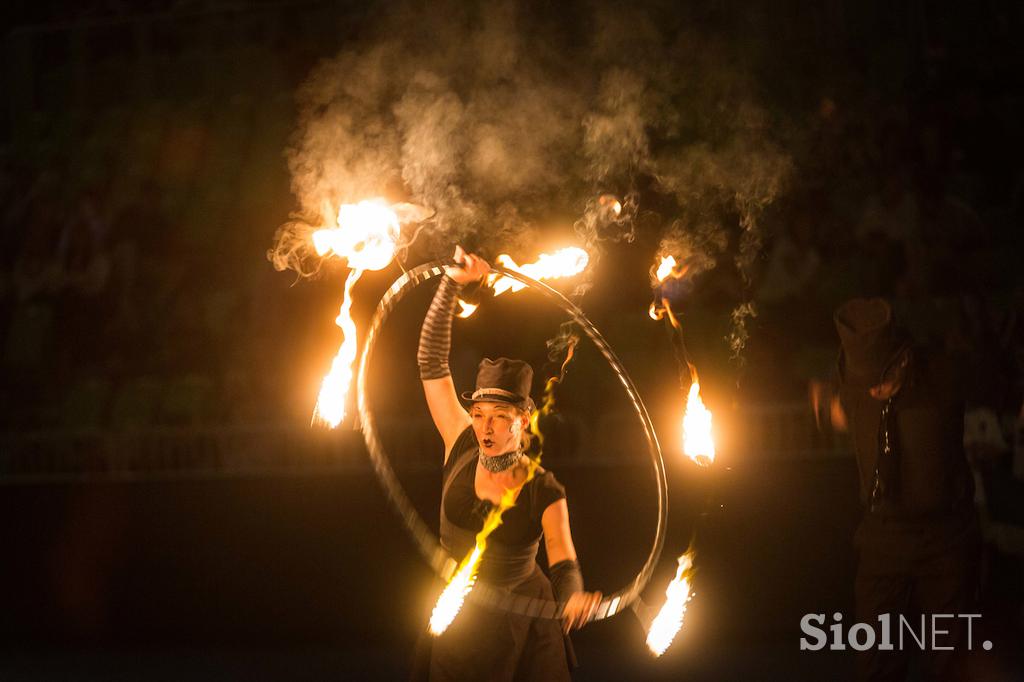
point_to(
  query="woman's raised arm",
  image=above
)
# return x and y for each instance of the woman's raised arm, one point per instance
(449, 416)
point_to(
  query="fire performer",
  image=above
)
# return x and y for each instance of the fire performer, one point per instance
(484, 458)
(918, 540)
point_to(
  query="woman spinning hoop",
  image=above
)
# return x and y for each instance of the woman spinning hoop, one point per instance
(484, 459)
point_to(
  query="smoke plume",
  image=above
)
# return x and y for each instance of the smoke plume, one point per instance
(506, 121)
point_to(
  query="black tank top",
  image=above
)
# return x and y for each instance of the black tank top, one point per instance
(512, 547)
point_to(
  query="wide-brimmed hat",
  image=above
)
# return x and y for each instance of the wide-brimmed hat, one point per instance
(869, 338)
(503, 381)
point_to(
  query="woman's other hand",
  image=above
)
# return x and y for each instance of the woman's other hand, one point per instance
(579, 610)
(469, 268)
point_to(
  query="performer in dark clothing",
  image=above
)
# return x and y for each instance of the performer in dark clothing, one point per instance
(918, 540)
(484, 460)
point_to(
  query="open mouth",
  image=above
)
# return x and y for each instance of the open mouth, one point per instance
(487, 442)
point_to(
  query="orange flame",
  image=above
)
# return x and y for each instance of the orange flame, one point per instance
(668, 266)
(698, 441)
(450, 602)
(670, 618)
(665, 268)
(565, 262)
(466, 309)
(367, 236)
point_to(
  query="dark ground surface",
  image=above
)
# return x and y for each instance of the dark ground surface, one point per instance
(312, 577)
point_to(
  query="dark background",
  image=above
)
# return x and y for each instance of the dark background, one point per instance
(168, 514)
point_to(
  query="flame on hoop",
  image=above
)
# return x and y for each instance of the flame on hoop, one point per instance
(466, 309)
(367, 236)
(565, 262)
(670, 618)
(450, 602)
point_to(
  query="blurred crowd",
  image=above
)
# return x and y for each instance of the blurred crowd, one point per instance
(120, 304)
(111, 311)
(132, 285)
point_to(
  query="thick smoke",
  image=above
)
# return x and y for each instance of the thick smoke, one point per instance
(507, 121)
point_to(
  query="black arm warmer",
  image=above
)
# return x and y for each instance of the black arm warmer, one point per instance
(566, 579)
(436, 334)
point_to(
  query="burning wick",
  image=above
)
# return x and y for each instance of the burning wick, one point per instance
(565, 262)
(670, 618)
(367, 236)
(668, 267)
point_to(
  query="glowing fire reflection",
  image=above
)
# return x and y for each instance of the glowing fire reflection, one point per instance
(670, 618)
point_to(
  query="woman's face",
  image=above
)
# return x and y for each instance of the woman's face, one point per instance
(498, 427)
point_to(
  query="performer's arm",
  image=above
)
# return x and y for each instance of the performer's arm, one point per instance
(449, 416)
(566, 578)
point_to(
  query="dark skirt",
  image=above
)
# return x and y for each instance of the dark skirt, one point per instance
(485, 644)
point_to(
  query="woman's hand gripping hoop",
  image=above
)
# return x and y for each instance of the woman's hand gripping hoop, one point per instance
(443, 564)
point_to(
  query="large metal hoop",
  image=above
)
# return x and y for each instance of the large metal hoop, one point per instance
(439, 559)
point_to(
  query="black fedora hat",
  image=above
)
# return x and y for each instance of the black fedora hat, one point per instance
(870, 340)
(503, 381)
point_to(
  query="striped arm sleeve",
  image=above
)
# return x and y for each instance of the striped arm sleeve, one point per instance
(436, 334)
